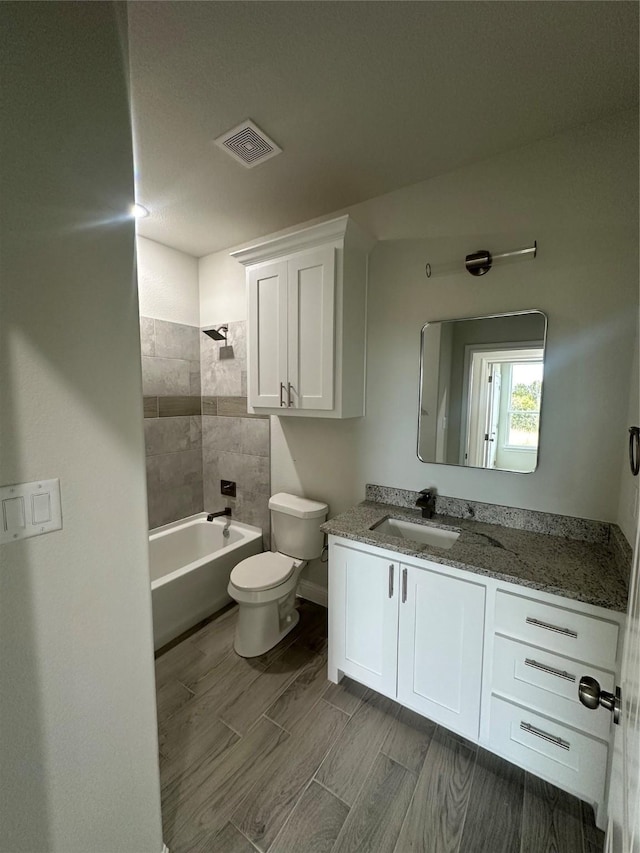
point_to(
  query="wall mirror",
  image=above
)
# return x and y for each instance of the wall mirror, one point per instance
(481, 391)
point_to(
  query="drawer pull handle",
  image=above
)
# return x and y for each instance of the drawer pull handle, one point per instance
(566, 631)
(391, 569)
(557, 741)
(404, 585)
(561, 673)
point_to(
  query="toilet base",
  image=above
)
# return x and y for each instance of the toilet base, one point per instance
(261, 627)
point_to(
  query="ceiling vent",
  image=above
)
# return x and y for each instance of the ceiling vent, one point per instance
(248, 144)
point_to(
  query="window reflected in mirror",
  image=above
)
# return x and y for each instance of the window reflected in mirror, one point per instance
(481, 391)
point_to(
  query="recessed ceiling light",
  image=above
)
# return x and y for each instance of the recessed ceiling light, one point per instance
(138, 211)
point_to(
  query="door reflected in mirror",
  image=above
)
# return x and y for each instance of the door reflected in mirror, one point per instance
(481, 391)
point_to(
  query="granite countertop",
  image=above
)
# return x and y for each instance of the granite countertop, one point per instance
(585, 571)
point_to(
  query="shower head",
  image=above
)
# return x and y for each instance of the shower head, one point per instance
(218, 334)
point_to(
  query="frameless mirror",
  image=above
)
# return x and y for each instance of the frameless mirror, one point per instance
(481, 391)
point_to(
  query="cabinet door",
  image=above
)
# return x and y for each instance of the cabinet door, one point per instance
(311, 338)
(440, 648)
(267, 367)
(363, 592)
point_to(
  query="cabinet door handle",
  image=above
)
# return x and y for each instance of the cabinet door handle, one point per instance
(549, 669)
(391, 570)
(289, 387)
(404, 585)
(538, 624)
(557, 741)
(282, 403)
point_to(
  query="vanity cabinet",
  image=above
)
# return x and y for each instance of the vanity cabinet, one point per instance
(306, 321)
(441, 628)
(364, 611)
(411, 633)
(493, 661)
(539, 652)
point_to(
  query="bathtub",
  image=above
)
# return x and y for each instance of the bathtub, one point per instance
(190, 562)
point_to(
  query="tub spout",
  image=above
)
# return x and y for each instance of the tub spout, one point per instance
(225, 511)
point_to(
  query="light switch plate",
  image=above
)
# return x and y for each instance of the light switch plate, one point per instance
(29, 509)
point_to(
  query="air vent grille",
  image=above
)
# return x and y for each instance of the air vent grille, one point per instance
(248, 144)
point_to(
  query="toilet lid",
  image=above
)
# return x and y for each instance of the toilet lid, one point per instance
(263, 571)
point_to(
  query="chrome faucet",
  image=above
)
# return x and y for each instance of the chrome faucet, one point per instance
(427, 502)
(225, 511)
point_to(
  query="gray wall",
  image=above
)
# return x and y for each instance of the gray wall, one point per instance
(172, 419)
(78, 742)
(197, 430)
(235, 445)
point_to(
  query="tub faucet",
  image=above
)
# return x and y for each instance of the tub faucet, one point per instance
(225, 511)
(427, 502)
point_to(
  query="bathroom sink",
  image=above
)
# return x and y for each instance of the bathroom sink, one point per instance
(421, 533)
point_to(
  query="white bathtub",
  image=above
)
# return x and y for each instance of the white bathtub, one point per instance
(190, 563)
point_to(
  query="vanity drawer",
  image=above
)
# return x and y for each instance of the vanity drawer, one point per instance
(549, 683)
(567, 632)
(571, 760)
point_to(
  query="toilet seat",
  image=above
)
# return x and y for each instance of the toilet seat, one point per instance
(263, 571)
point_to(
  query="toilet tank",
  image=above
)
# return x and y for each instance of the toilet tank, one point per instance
(296, 525)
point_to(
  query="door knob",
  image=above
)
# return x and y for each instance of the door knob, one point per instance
(593, 697)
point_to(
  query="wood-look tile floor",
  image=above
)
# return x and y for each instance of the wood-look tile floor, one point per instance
(266, 754)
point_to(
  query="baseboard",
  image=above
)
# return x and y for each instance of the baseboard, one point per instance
(313, 592)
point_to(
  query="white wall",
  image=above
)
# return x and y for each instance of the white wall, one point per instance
(576, 194)
(167, 283)
(223, 295)
(78, 743)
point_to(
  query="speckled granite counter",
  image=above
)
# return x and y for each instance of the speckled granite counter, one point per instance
(593, 572)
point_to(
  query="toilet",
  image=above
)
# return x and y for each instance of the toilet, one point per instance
(265, 585)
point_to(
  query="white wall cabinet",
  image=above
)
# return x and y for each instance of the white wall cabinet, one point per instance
(306, 321)
(495, 662)
(410, 633)
(291, 323)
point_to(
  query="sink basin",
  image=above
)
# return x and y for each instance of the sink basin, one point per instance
(421, 533)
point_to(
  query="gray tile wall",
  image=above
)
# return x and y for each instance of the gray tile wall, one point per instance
(224, 365)
(197, 429)
(170, 359)
(173, 422)
(235, 445)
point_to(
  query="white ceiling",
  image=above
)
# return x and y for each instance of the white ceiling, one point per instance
(364, 97)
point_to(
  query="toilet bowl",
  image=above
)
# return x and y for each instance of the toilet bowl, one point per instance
(264, 586)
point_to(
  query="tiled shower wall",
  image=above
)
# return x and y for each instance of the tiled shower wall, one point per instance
(235, 445)
(197, 429)
(173, 421)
